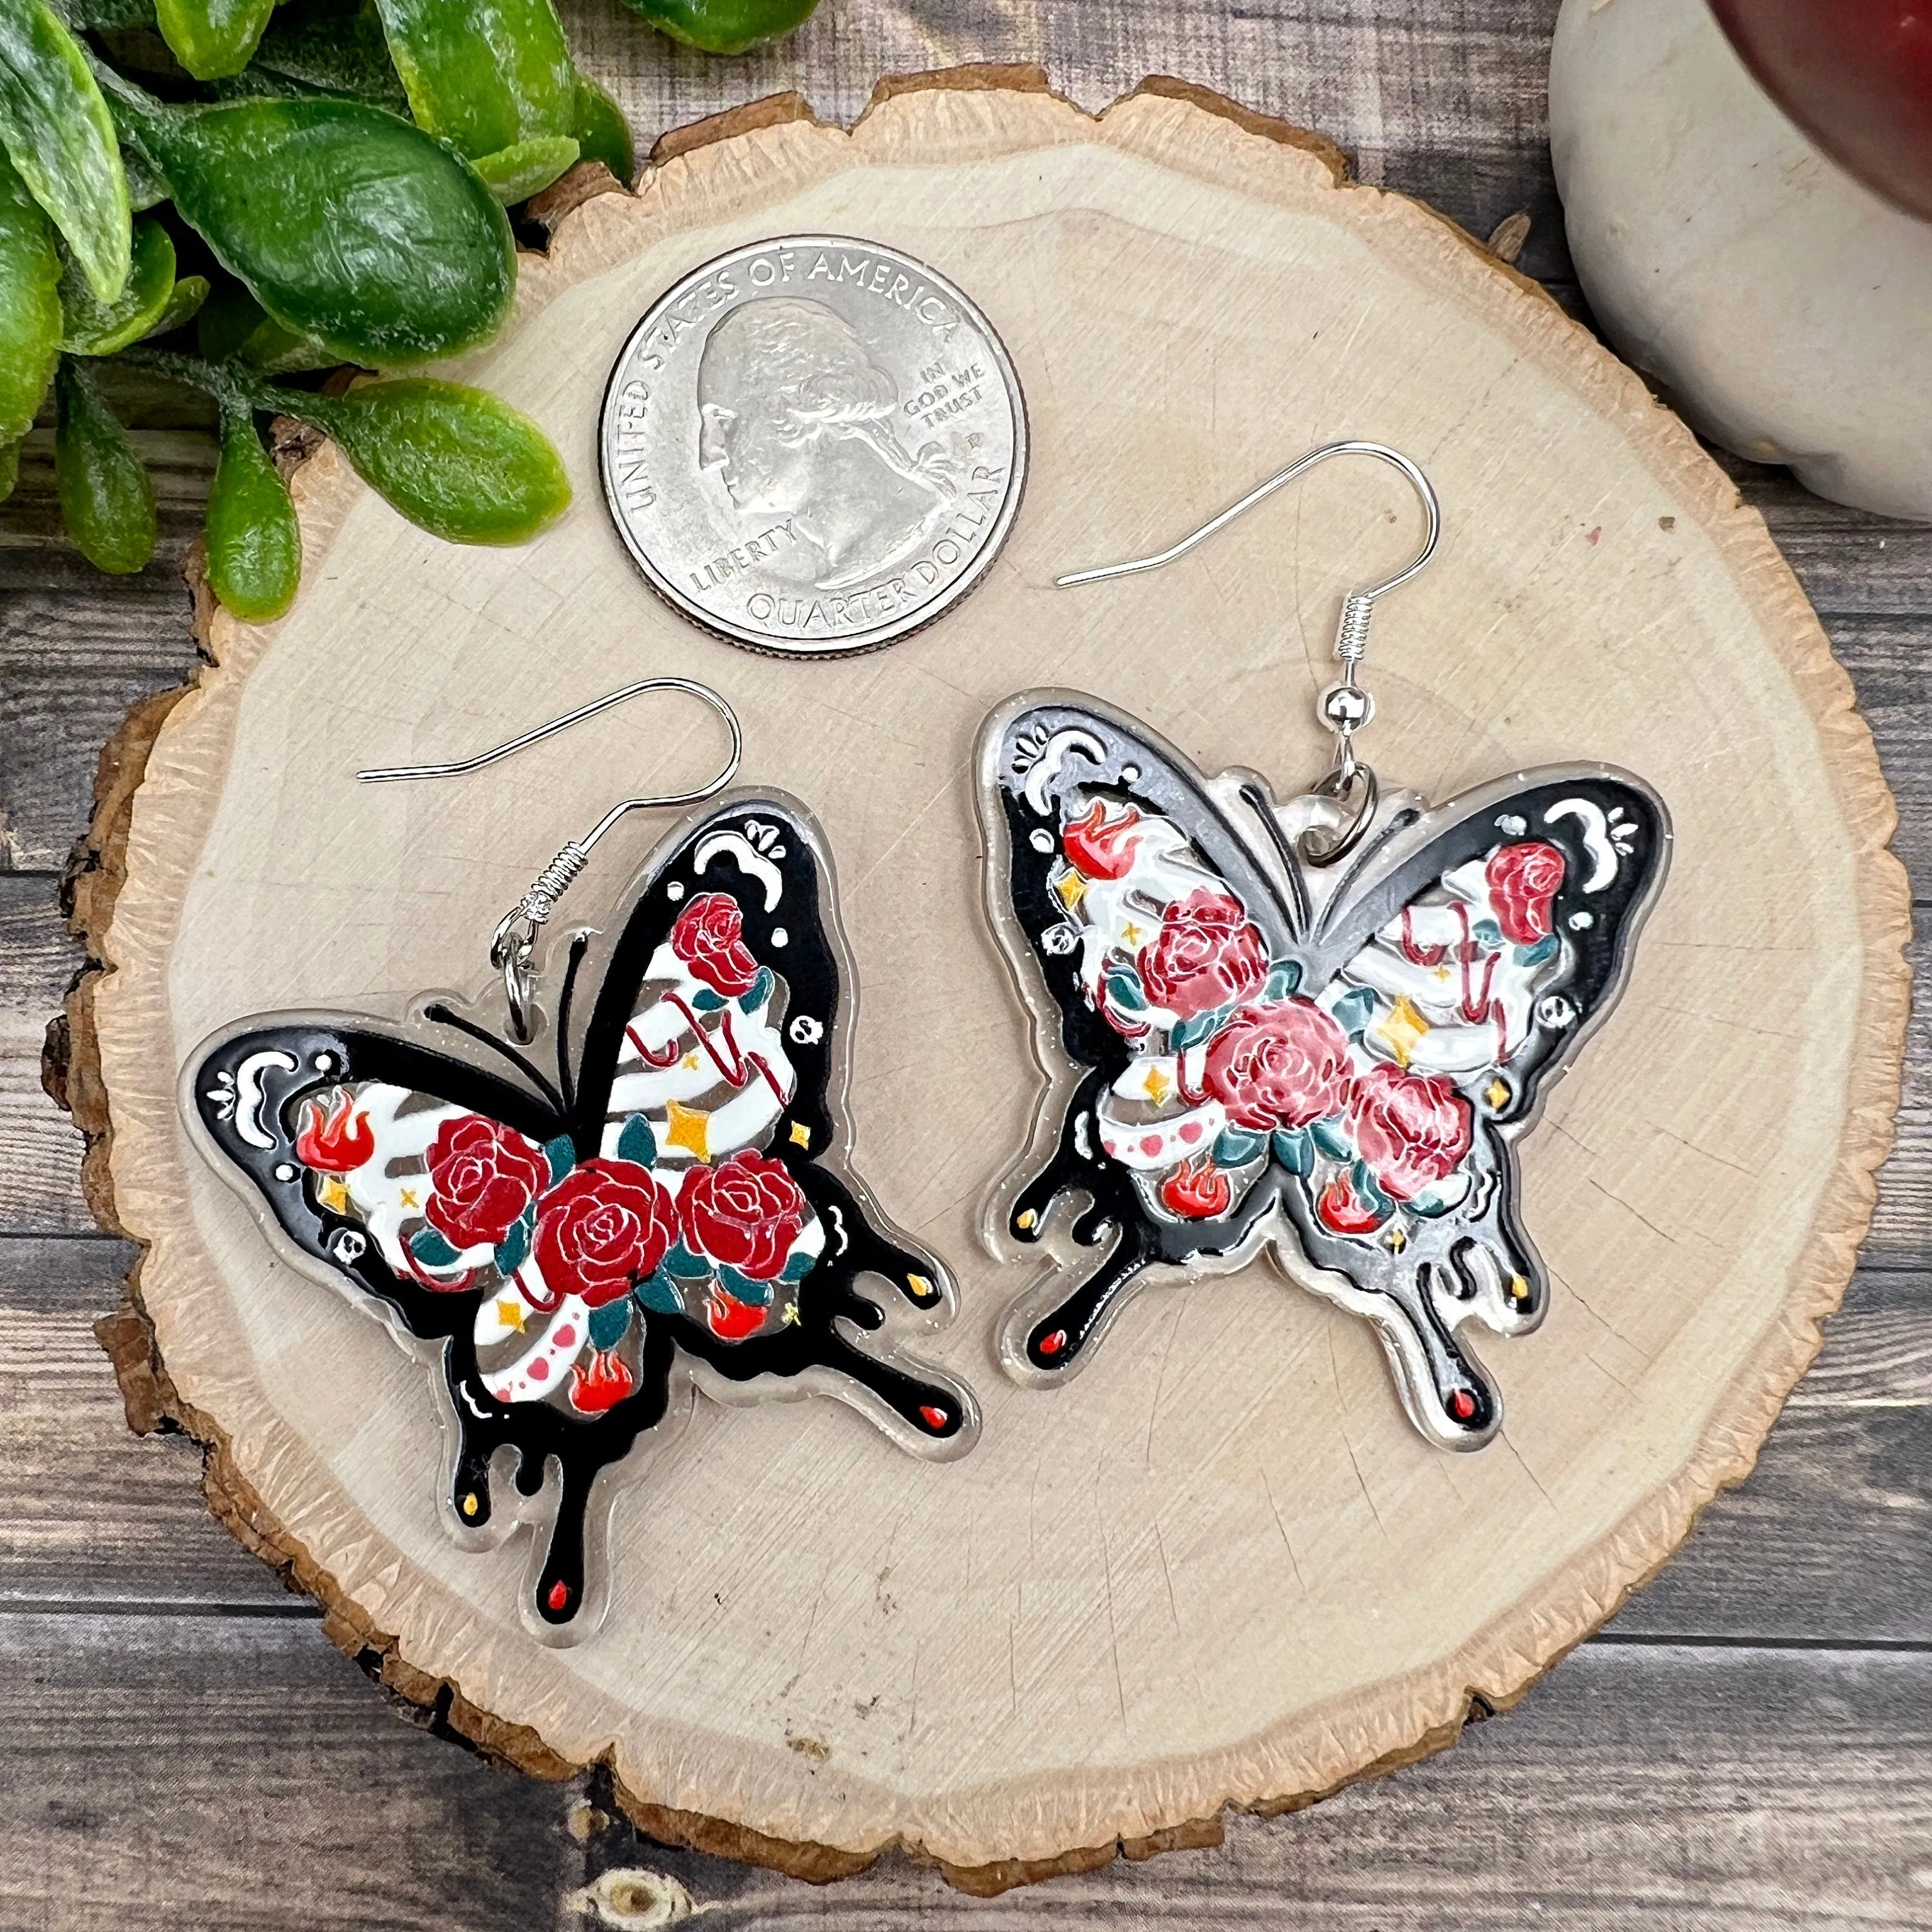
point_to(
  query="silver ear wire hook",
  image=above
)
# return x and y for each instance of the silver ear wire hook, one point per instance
(512, 949)
(1345, 707)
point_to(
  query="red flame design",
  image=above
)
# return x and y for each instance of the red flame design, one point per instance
(602, 1385)
(334, 1138)
(1197, 1189)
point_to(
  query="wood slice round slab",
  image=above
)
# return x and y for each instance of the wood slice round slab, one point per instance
(1219, 1568)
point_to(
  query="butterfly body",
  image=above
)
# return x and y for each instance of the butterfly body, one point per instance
(672, 1193)
(1335, 1063)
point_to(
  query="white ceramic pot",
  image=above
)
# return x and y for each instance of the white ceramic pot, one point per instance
(1785, 309)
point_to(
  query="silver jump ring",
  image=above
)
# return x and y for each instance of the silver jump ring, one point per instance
(1359, 778)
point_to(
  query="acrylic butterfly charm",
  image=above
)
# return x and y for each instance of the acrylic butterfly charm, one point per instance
(674, 1194)
(1336, 1062)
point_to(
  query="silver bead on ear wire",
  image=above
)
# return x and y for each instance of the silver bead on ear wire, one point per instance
(1345, 707)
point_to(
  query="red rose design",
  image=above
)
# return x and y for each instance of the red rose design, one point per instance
(710, 938)
(1098, 846)
(1197, 1190)
(606, 1224)
(1208, 953)
(1523, 879)
(1412, 1129)
(482, 1176)
(1286, 1065)
(746, 1212)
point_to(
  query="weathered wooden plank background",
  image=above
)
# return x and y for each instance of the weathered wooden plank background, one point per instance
(1748, 1747)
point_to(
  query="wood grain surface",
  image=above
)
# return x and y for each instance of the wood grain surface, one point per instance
(1745, 1747)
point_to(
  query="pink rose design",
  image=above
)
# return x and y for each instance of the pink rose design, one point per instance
(1523, 879)
(1412, 1129)
(1286, 1065)
(1208, 953)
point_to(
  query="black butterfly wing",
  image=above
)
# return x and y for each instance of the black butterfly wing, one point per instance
(333, 1127)
(1072, 792)
(532, 1223)
(759, 874)
(1315, 1048)
(1473, 951)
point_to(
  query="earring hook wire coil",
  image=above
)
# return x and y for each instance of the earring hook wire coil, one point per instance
(1351, 635)
(512, 947)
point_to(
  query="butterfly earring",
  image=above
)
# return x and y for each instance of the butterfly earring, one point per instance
(1318, 1026)
(669, 1195)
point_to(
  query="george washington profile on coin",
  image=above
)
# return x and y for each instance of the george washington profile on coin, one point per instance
(797, 419)
(813, 444)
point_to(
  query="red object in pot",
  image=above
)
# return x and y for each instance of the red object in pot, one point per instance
(1856, 75)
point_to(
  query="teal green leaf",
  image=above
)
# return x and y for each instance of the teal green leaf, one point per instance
(659, 1294)
(514, 1250)
(608, 1324)
(429, 1247)
(1353, 1011)
(798, 1265)
(704, 1000)
(682, 1262)
(561, 1155)
(1332, 1140)
(58, 132)
(1123, 984)
(1284, 975)
(1234, 1148)
(1294, 1149)
(637, 1143)
(743, 1288)
(755, 995)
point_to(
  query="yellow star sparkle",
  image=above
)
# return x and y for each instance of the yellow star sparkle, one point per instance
(1156, 1086)
(1402, 1030)
(791, 1316)
(510, 1314)
(1496, 1093)
(801, 1134)
(1130, 935)
(407, 1196)
(688, 1127)
(1072, 889)
(1395, 1241)
(689, 1063)
(333, 1195)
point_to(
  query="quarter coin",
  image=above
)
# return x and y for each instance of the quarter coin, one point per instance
(814, 446)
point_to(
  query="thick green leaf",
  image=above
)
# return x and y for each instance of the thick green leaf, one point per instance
(183, 305)
(106, 499)
(514, 174)
(254, 545)
(347, 224)
(458, 461)
(145, 188)
(487, 75)
(724, 26)
(602, 133)
(235, 327)
(30, 308)
(340, 53)
(58, 134)
(99, 329)
(212, 38)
